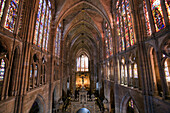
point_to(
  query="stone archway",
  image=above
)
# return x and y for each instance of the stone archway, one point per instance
(38, 106)
(55, 98)
(124, 104)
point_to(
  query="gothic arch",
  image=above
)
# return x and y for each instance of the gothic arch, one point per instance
(55, 98)
(124, 102)
(154, 71)
(41, 104)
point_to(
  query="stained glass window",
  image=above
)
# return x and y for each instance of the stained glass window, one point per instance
(2, 69)
(122, 74)
(86, 63)
(124, 23)
(36, 71)
(2, 5)
(119, 33)
(167, 3)
(42, 27)
(35, 74)
(130, 71)
(107, 48)
(48, 30)
(31, 71)
(82, 63)
(130, 75)
(147, 22)
(37, 22)
(157, 14)
(108, 41)
(125, 74)
(166, 69)
(58, 41)
(78, 64)
(131, 104)
(42, 23)
(123, 71)
(11, 15)
(135, 71)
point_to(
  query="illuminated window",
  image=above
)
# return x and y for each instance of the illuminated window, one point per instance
(82, 63)
(130, 75)
(135, 71)
(166, 69)
(36, 74)
(123, 72)
(2, 5)
(124, 23)
(131, 103)
(31, 71)
(108, 41)
(147, 22)
(157, 14)
(2, 69)
(11, 15)
(58, 41)
(167, 3)
(31, 77)
(42, 27)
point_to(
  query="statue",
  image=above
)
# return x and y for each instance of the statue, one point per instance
(83, 81)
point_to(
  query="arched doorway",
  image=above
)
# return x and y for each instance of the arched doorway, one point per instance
(35, 108)
(83, 110)
(38, 106)
(55, 98)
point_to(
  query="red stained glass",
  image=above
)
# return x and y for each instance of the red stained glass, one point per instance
(147, 22)
(157, 14)
(11, 15)
(37, 23)
(42, 24)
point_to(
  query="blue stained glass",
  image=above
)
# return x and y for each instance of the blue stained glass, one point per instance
(45, 29)
(31, 71)
(42, 24)
(49, 4)
(48, 30)
(157, 14)
(59, 41)
(11, 15)
(37, 23)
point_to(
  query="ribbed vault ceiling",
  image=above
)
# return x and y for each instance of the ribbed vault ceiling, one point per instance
(82, 22)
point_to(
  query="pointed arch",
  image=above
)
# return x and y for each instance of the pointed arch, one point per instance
(40, 105)
(125, 102)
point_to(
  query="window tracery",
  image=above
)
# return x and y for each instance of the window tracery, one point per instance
(82, 63)
(58, 41)
(42, 27)
(124, 22)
